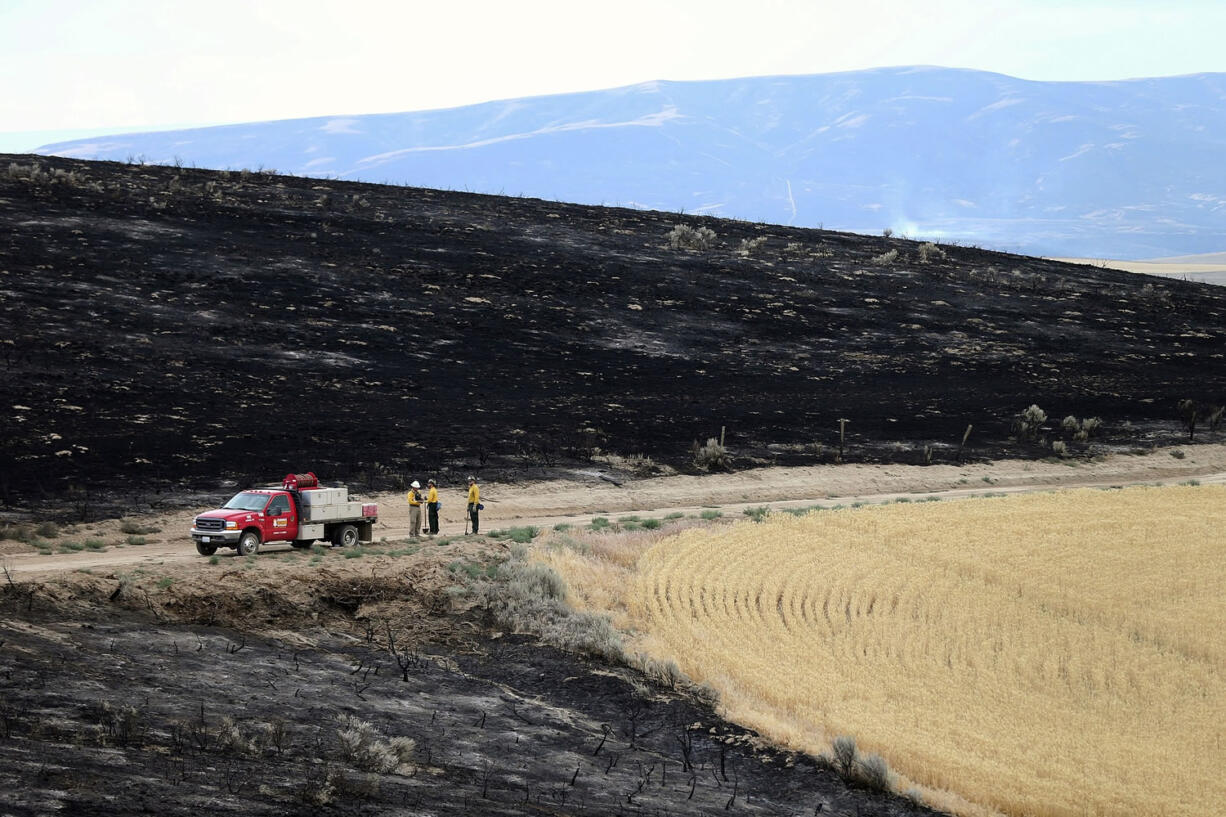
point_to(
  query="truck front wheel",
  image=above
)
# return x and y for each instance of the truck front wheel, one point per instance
(205, 550)
(346, 536)
(248, 544)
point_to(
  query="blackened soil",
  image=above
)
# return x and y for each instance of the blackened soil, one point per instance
(163, 326)
(126, 715)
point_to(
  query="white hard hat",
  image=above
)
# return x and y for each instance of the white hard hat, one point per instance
(415, 484)
(472, 479)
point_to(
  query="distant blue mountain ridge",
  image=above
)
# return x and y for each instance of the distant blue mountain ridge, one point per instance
(1127, 169)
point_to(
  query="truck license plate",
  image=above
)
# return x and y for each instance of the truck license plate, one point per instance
(204, 539)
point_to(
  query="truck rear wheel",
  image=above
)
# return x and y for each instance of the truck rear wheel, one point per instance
(345, 536)
(248, 544)
(205, 550)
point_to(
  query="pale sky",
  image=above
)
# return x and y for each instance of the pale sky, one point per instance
(78, 68)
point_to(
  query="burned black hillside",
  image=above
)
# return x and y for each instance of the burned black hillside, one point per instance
(165, 325)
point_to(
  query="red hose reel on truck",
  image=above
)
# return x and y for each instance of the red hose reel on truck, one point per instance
(296, 482)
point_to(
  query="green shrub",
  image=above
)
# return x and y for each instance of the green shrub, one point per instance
(675, 515)
(711, 514)
(47, 530)
(757, 514)
(887, 257)
(562, 526)
(523, 535)
(651, 524)
(94, 544)
(355, 552)
(600, 523)
(136, 541)
(71, 547)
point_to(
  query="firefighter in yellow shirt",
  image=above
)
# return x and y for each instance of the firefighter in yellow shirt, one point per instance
(415, 509)
(432, 508)
(474, 502)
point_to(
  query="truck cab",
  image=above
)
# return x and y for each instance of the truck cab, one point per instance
(289, 513)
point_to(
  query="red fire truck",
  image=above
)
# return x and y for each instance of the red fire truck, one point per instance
(299, 511)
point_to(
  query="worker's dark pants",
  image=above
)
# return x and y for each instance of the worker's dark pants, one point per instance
(432, 517)
(472, 512)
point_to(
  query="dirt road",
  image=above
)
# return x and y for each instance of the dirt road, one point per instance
(587, 495)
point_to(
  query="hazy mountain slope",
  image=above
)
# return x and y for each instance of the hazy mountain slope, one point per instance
(168, 325)
(1109, 169)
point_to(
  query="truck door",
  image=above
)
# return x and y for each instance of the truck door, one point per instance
(280, 522)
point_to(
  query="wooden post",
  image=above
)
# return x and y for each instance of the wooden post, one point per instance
(721, 435)
(965, 436)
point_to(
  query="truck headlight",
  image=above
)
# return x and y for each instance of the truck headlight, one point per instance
(231, 524)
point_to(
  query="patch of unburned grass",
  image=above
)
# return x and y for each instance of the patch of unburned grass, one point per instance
(1094, 616)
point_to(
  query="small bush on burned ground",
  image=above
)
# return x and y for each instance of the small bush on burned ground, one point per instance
(749, 246)
(364, 748)
(1028, 423)
(684, 237)
(929, 252)
(710, 456)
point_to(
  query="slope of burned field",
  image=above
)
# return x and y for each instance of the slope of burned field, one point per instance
(164, 324)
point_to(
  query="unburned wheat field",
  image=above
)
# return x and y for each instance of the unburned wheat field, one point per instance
(1046, 654)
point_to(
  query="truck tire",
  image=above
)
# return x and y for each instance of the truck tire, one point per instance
(345, 536)
(302, 544)
(248, 543)
(205, 550)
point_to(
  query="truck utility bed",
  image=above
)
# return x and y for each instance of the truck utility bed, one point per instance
(328, 504)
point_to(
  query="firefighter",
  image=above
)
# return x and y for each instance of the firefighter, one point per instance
(415, 509)
(432, 507)
(474, 502)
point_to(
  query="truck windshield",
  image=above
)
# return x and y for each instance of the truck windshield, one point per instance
(247, 502)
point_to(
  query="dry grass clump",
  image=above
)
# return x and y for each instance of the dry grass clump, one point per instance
(956, 638)
(597, 567)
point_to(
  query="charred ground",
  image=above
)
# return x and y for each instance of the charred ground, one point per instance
(167, 326)
(277, 685)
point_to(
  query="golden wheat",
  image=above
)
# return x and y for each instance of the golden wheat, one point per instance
(1048, 654)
